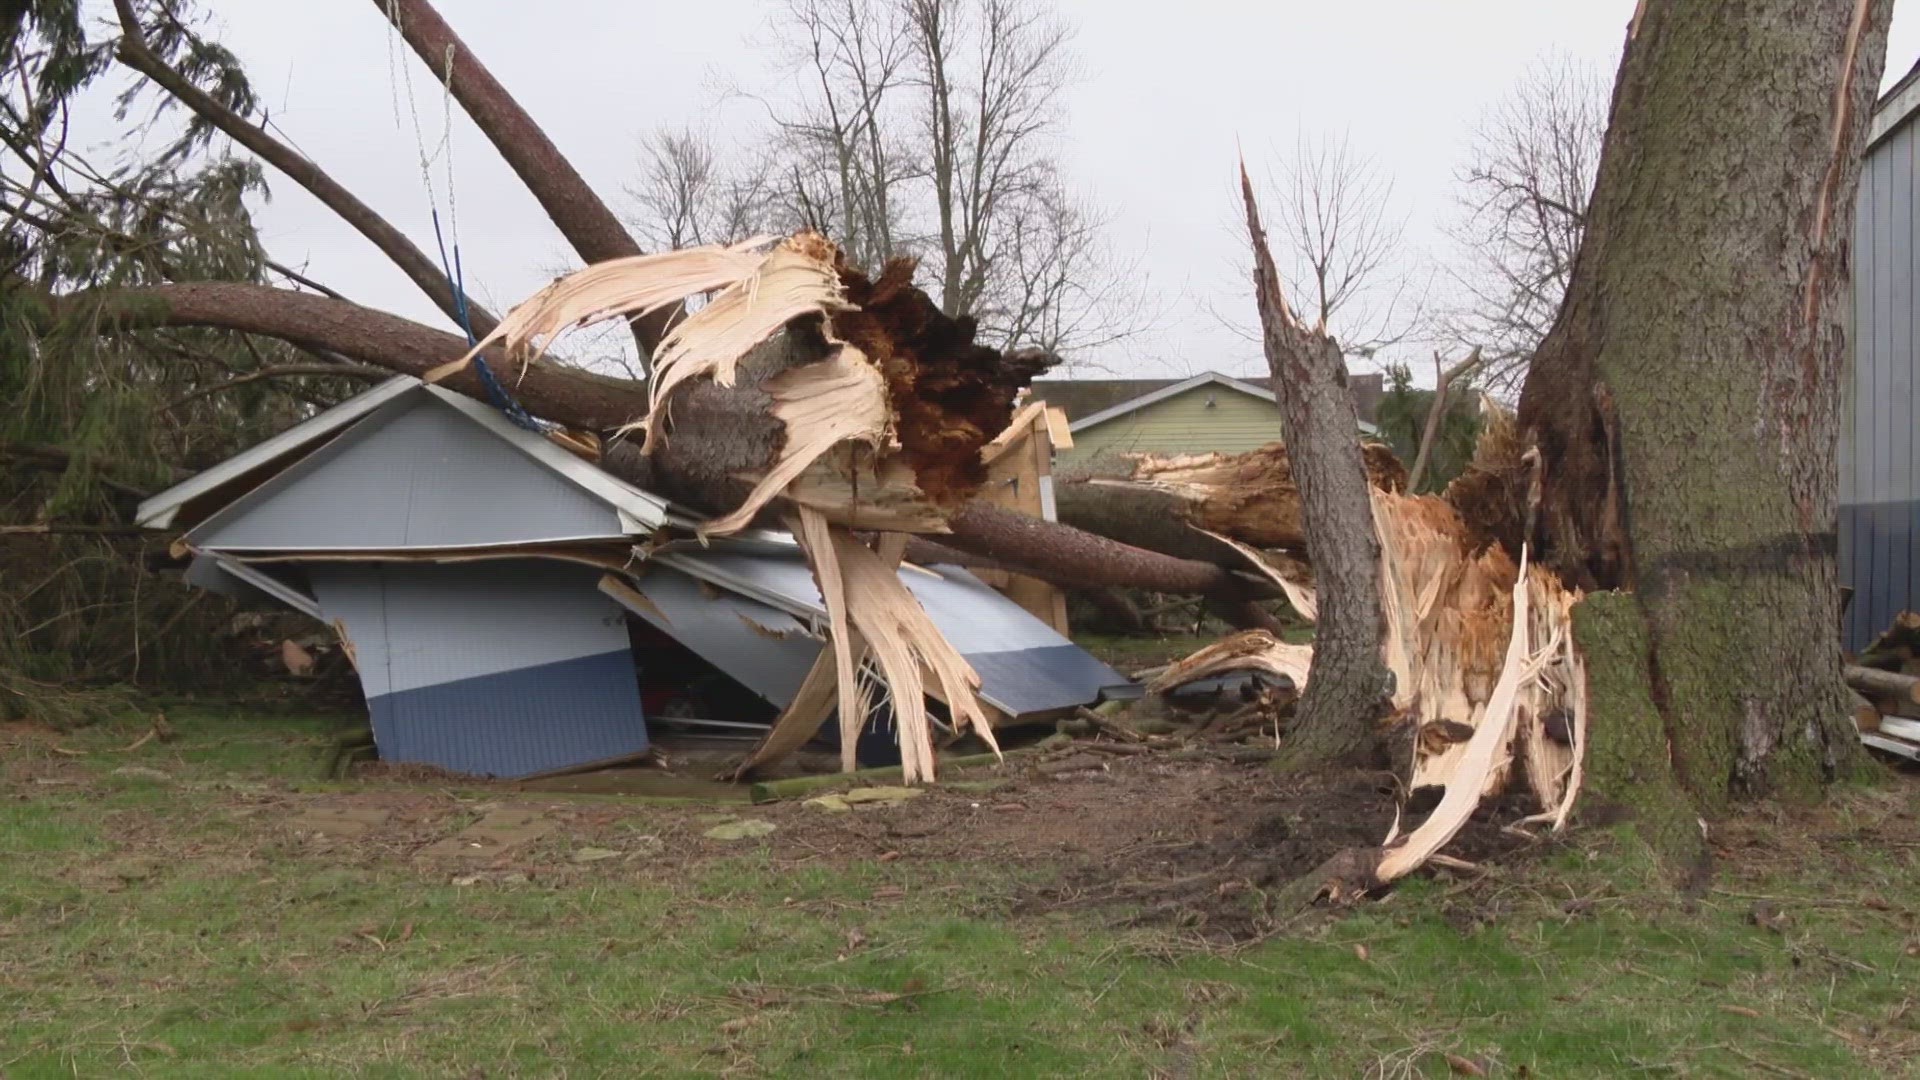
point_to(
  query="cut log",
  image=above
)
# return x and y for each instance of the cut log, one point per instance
(1895, 646)
(1876, 683)
(1168, 504)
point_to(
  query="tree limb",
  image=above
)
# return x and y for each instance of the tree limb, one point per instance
(1043, 549)
(134, 52)
(1437, 410)
(590, 227)
(568, 395)
(283, 371)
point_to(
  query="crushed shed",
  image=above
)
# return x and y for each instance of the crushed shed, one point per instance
(489, 584)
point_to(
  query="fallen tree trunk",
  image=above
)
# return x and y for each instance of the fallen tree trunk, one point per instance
(1167, 504)
(734, 424)
(1884, 684)
(589, 225)
(1074, 558)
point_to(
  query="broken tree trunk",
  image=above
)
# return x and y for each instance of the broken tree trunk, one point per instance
(1686, 403)
(983, 535)
(1335, 717)
(1167, 504)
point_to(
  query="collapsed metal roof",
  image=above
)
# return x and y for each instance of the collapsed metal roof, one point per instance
(408, 473)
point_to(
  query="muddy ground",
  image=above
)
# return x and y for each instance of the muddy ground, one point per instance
(1150, 839)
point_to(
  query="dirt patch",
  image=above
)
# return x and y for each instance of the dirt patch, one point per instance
(493, 835)
(1199, 844)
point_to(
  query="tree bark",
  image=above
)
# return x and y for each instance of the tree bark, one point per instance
(1436, 412)
(1349, 678)
(1686, 402)
(568, 395)
(590, 227)
(1074, 559)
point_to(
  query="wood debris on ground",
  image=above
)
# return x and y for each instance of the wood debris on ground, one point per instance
(1489, 681)
(1885, 678)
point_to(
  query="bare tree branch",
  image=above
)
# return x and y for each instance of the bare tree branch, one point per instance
(1443, 381)
(1524, 202)
(686, 196)
(284, 371)
(1340, 238)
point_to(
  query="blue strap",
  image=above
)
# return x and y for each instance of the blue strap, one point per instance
(502, 399)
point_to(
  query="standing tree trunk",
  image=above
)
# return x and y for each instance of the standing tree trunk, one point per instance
(1686, 402)
(1348, 679)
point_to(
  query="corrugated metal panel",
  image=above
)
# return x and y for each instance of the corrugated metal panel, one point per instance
(644, 510)
(1024, 666)
(762, 648)
(503, 669)
(419, 476)
(1879, 489)
(1899, 431)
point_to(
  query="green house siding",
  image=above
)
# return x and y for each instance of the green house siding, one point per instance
(1183, 424)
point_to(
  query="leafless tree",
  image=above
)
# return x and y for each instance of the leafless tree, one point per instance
(1524, 208)
(686, 195)
(928, 129)
(845, 161)
(1058, 285)
(1338, 243)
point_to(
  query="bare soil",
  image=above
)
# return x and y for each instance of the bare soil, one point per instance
(1195, 844)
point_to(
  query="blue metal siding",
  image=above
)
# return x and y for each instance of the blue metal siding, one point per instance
(415, 475)
(517, 723)
(496, 669)
(1879, 491)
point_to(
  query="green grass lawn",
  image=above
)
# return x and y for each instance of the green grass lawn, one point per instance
(186, 926)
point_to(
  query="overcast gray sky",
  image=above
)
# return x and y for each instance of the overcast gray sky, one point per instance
(1168, 93)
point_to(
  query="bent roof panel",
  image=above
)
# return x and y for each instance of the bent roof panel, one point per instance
(1024, 665)
(250, 477)
(417, 475)
(159, 511)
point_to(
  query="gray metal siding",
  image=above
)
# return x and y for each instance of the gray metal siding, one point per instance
(762, 648)
(1879, 494)
(419, 475)
(1023, 664)
(496, 669)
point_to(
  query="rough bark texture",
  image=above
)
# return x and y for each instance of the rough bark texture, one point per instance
(1074, 559)
(1349, 679)
(567, 395)
(1686, 402)
(590, 227)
